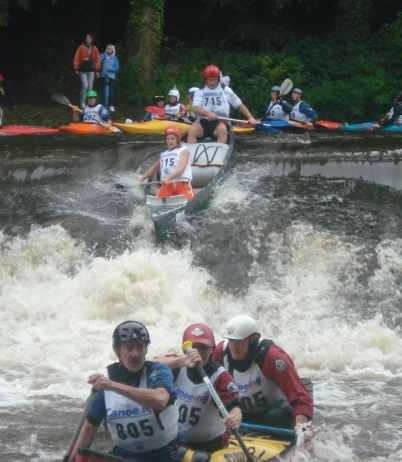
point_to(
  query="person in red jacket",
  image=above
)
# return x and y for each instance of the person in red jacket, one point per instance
(87, 65)
(271, 391)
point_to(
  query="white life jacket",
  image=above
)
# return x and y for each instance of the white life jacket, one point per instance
(199, 418)
(398, 120)
(135, 427)
(256, 392)
(174, 109)
(169, 162)
(217, 100)
(90, 115)
(299, 116)
(275, 112)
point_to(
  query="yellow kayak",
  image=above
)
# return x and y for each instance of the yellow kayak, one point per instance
(159, 126)
(153, 126)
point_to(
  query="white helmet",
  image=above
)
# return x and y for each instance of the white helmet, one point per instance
(241, 327)
(174, 92)
(193, 89)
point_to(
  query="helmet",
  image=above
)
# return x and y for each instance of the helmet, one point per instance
(173, 131)
(241, 327)
(158, 98)
(130, 330)
(275, 88)
(91, 94)
(199, 333)
(398, 95)
(297, 90)
(193, 89)
(211, 71)
(175, 92)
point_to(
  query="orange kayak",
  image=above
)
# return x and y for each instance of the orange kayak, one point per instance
(85, 129)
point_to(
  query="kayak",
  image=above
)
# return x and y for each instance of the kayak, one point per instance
(261, 446)
(158, 127)
(369, 126)
(85, 129)
(355, 127)
(327, 124)
(282, 125)
(25, 130)
(152, 127)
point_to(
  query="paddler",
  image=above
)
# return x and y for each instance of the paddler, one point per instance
(394, 116)
(277, 109)
(201, 427)
(212, 101)
(137, 399)
(302, 112)
(174, 166)
(270, 389)
(92, 112)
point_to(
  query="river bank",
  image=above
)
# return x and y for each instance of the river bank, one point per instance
(54, 116)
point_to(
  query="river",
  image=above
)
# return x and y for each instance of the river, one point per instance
(304, 234)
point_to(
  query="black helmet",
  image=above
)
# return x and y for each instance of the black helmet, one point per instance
(130, 330)
(398, 95)
(158, 98)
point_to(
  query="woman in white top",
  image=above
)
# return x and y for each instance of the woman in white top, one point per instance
(174, 165)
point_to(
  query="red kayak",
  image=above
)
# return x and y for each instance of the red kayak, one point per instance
(25, 130)
(327, 124)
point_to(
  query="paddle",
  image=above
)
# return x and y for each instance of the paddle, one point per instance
(156, 110)
(285, 87)
(59, 98)
(187, 349)
(267, 429)
(76, 434)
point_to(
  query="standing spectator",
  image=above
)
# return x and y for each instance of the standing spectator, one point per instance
(109, 67)
(5, 95)
(86, 65)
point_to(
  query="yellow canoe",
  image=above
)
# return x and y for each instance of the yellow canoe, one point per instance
(159, 126)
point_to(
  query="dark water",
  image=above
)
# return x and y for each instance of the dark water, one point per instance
(304, 234)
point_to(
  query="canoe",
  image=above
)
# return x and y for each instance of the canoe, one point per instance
(261, 445)
(282, 125)
(327, 124)
(209, 160)
(85, 129)
(158, 127)
(25, 130)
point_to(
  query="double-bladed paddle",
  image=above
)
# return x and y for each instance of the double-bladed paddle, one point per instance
(59, 98)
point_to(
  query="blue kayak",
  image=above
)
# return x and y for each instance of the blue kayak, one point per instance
(369, 126)
(281, 125)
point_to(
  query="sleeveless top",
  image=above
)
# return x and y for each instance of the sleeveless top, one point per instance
(256, 392)
(275, 112)
(199, 418)
(169, 161)
(91, 114)
(135, 427)
(299, 116)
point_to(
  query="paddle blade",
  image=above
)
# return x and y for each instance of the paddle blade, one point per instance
(156, 110)
(59, 98)
(286, 86)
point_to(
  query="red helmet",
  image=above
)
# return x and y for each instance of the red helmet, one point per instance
(173, 131)
(199, 333)
(211, 71)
